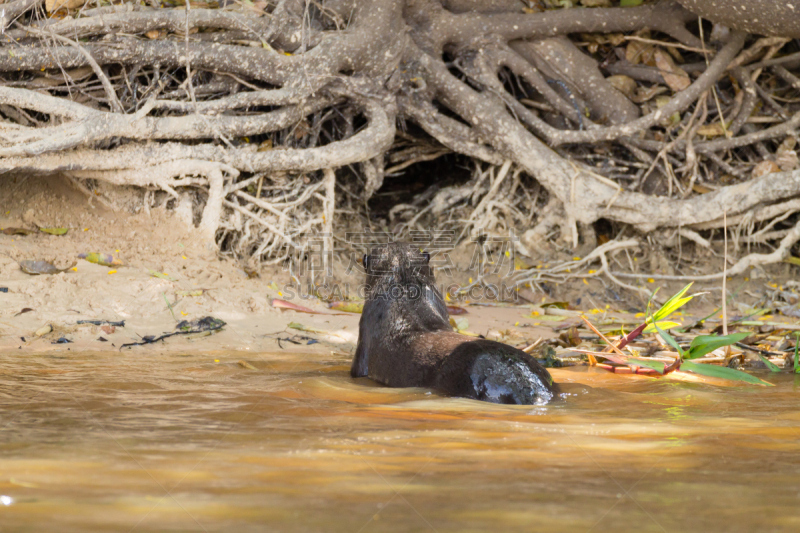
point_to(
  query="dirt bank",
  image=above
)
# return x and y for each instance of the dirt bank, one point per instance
(195, 281)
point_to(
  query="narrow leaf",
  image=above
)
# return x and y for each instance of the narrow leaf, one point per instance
(668, 339)
(704, 344)
(349, 307)
(663, 324)
(673, 304)
(772, 366)
(723, 372)
(283, 304)
(54, 231)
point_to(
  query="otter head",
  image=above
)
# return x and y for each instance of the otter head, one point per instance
(397, 263)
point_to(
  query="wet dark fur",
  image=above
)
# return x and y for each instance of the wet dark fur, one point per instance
(405, 339)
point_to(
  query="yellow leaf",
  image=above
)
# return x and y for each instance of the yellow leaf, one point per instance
(713, 130)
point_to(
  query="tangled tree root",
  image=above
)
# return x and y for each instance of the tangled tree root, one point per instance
(245, 112)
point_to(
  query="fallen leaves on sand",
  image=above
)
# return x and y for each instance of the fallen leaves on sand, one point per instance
(348, 307)
(283, 304)
(101, 259)
(160, 275)
(54, 231)
(196, 292)
(42, 267)
(17, 231)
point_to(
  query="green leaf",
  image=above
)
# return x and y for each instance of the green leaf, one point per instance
(54, 231)
(668, 339)
(101, 259)
(772, 366)
(796, 345)
(658, 366)
(557, 305)
(664, 324)
(723, 372)
(673, 304)
(160, 275)
(630, 3)
(703, 344)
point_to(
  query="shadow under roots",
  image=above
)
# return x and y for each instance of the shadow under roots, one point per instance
(417, 184)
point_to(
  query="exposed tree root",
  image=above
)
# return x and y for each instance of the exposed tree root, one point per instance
(247, 113)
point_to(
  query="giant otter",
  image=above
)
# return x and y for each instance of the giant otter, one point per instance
(405, 338)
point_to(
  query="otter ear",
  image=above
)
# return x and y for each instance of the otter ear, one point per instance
(365, 261)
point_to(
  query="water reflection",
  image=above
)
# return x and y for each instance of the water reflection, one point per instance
(155, 443)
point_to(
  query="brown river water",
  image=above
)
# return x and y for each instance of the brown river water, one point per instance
(137, 442)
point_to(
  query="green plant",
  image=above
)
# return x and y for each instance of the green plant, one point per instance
(703, 345)
(670, 306)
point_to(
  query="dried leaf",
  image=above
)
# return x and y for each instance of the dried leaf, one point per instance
(638, 52)
(764, 168)
(623, 84)
(42, 267)
(714, 130)
(644, 94)
(55, 5)
(283, 304)
(674, 76)
(160, 275)
(785, 156)
(17, 231)
(198, 292)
